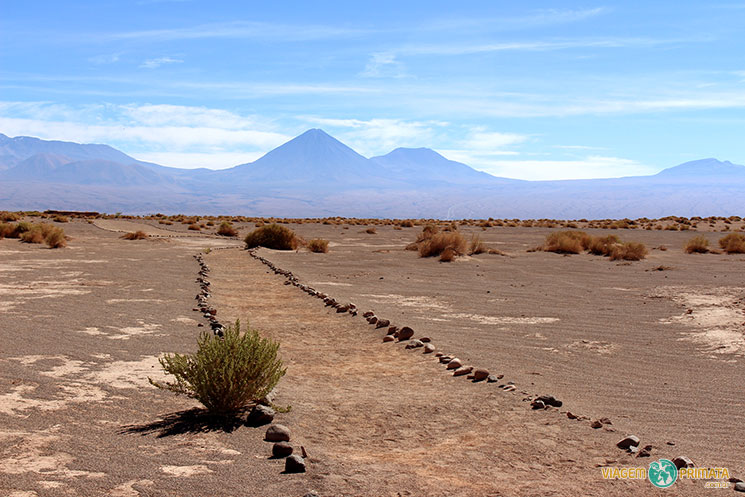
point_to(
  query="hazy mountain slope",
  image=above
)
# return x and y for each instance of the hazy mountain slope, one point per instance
(316, 175)
(426, 165)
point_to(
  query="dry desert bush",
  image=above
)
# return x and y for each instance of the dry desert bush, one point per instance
(272, 236)
(53, 236)
(603, 245)
(226, 373)
(318, 245)
(226, 229)
(734, 243)
(697, 245)
(194, 227)
(137, 235)
(567, 242)
(371, 231)
(629, 251)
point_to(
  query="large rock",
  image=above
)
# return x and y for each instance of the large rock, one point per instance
(552, 401)
(414, 344)
(260, 415)
(281, 449)
(625, 443)
(480, 374)
(294, 464)
(382, 323)
(405, 333)
(463, 371)
(682, 462)
(740, 486)
(454, 363)
(429, 348)
(277, 433)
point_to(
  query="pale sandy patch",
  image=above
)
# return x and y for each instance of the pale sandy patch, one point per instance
(422, 302)
(119, 301)
(480, 318)
(91, 331)
(716, 315)
(592, 346)
(128, 332)
(332, 283)
(128, 374)
(183, 320)
(26, 452)
(127, 489)
(186, 471)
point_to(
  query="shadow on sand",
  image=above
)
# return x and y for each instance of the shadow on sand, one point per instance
(189, 421)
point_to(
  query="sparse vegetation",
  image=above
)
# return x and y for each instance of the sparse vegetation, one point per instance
(629, 251)
(452, 242)
(697, 245)
(734, 243)
(53, 236)
(59, 218)
(318, 245)
(226, 229)
(226, 373)
(272, 236)
(477, 246)
(371, 231)
(137, 235)
(567, 242)
(603, 245)
(194, 227)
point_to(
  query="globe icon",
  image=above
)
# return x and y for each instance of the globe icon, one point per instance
(662, 473)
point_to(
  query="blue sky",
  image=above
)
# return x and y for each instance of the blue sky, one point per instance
(533, 90)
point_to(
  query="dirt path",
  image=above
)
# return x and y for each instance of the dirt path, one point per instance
(381, 421)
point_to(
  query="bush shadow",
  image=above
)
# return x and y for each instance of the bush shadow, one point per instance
(194, 420)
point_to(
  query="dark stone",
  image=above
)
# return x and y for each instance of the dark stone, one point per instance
(277, 433)
(682, 462)
(281, 449)
(627, 442)
(260, 415)
(552, 401)
(382, 323)
(405, 333)
(294, 464)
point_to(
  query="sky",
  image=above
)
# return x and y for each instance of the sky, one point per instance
(530, 90)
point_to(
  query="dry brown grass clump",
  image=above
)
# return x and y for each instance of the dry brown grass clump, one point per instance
(272, 236)
(629, 251)
(448, 255)
(477, 246)
(697, 245)
(371, 231)
(452, 242)
(603, 245)
(137, 235)
(226, 229)
(53, 236)
(34, 235)
(61, 219)
(318, 245)
(734, 243)
(194, 227)
(9, 217)
(567, 242)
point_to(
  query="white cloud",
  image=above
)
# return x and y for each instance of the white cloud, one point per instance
(189, 135)
(383, 64)
(159, 61)
(588, 167)
(105, 58)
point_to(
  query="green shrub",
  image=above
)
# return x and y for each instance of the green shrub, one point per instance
(272, 236)
(226, 373)
(318, 245)
(226, 229)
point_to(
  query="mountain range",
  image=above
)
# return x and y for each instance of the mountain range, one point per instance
(315, 175)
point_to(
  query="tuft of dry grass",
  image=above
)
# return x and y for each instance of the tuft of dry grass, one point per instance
(55, 238)
(318, 245)
(226, 229)
(629, 251)
(9, 217)
(137, 235)
(734, 243)
(567, 242)
(371, 231)
(272, 236)
(440, 242)
(448, 255)
(603, 245)
(194, 227)
(59, 218)
(477, 246)
(697, 245)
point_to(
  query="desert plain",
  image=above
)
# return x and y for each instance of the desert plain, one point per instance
(654, 348)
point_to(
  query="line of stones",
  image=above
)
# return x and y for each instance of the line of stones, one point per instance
(630, 444)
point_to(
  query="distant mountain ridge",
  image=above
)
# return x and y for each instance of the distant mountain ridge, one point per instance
(314, 174)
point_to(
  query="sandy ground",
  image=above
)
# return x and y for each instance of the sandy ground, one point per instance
(82, 328)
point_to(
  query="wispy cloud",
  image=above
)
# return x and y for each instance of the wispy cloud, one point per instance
(105, 58)
(383, 64)
(159, 61)
(582, 168)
